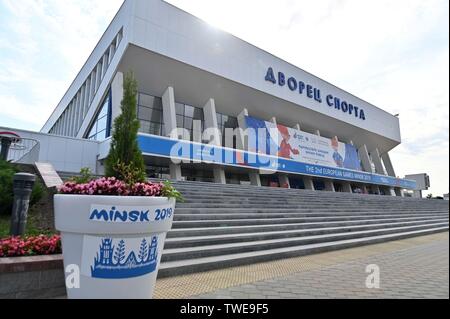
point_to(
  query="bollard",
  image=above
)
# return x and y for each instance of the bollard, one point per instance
(23, 186)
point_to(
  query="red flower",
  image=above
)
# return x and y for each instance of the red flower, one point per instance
(30, 246)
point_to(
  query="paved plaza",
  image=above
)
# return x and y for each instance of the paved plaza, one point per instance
(411, 268)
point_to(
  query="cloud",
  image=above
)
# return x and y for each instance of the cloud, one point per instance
(43, 45)
(393, 54)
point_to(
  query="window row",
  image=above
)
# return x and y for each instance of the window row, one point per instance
(101, 128)
(72, 119)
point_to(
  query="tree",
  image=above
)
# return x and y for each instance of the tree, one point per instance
(143, 251)
(119, 255)
(125, 152)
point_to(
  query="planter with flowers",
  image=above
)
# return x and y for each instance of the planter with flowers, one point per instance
(113, 228)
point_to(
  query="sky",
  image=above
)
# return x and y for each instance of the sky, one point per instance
(393, 54)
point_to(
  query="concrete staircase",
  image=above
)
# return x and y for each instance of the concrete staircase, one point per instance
(227, 225)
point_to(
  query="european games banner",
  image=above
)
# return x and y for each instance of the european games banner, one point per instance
(300, 146)
(159, 146)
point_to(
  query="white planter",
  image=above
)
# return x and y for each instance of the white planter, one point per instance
(116, 243)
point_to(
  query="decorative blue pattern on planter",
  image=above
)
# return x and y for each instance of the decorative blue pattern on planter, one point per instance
(112, 263)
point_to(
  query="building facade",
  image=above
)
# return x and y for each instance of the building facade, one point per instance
(201, 90)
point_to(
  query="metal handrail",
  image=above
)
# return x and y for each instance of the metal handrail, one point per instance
(25, 147)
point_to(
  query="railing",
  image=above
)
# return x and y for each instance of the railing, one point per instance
(26, 151)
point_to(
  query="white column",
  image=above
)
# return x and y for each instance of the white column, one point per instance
(116, 95)
(347, 187)
(379, 168)
(376, 189)
(197, 134)
(104, 65)
(388, 164)
(329, 186)
(241, 141)
(87, 99)
(364, 189)
(93, 84)
(80, 110)
(170, 124)
(98, 77)
(365, 159)
(169, 113)
(283, 179)
(309, 184)
(417, 194)
(399, 192)
(210, 114)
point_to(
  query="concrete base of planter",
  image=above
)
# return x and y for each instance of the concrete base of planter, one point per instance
(32, 277)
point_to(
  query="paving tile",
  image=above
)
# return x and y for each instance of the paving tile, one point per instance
(418, 270)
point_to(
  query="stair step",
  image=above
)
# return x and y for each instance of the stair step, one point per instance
(231, 248)
(221, 230)
(183, 242)
(276, 221)
(202, 216)
(193, 265)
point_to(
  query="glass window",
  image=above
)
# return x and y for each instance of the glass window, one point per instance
(150, 101)
(101, 127)
(157, 103)
(145, 127)
(180, 121)
(189, 111)
(230, 122)
(155, 128)
(144, 113)
(198, 114)
(156, 116)
(102, 124)
(219, 119)
(145, 100)
(101, 135)
(179, 108)
(188, 122)
(148, 114)
(103, 112)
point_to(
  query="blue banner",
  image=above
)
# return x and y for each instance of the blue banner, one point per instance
(202, 153)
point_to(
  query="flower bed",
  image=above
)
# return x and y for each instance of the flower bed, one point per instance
(112, 187)
(30, 246)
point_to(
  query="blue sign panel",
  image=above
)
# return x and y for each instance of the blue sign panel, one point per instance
(196, 152)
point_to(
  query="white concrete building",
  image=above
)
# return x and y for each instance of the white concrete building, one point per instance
(194, 76)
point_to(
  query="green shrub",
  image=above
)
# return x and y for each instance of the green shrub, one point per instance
(84, 178)
(38, 193)
(125, 157)
(7, 171)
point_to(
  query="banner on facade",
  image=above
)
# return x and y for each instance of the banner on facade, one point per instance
(278, 140)
(191, 152)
